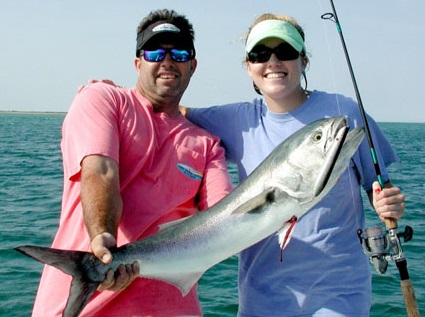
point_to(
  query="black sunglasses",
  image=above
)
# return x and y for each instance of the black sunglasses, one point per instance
(159, 54)
(262, 53)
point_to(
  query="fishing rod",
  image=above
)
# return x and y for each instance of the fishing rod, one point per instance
(380, 246)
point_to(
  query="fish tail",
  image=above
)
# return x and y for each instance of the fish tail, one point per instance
(70, 262)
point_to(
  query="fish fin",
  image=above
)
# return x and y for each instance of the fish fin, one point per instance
(174, 223)
(255, 204)
(69, 262)
(66, 261)
(184, 282)
(79, 295)
(285, 234)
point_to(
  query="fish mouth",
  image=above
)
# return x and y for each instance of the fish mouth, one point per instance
(334, 142)
(342, 146)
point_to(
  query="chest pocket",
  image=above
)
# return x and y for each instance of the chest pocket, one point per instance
(184, 174)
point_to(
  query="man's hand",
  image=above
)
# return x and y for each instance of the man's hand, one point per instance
(124, 275)
(92, 81)
(388, 202)
(184, 111)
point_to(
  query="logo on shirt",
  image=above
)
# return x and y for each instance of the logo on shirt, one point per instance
(189, 171)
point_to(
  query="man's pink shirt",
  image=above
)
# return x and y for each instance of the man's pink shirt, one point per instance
(169, 168)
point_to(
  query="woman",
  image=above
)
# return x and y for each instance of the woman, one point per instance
(324, 271)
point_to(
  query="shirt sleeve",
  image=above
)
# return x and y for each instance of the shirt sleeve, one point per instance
(227, 122)
(212, 119)
(385, 155)
(90, 127)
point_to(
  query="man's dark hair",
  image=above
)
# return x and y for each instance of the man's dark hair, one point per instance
(167, 15)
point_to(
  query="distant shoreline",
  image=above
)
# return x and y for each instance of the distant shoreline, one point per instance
(64, 113)
(31, 112)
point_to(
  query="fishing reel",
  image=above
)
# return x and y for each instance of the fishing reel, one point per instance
(382, 246)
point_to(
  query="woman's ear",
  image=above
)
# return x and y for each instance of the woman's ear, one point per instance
(305, 62)
(248, 68)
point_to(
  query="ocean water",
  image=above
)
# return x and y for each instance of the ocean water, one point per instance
(30, 201)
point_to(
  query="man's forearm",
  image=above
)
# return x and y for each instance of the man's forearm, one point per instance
(100, 195)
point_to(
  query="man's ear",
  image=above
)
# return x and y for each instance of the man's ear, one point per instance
(137, 63)
(193, 65)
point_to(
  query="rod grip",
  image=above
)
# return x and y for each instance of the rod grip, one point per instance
(391, 223)
(409, 298)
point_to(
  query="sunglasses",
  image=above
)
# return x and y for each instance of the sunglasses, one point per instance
(159, 54)
(262, 53)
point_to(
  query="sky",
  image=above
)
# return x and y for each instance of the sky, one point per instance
(48, 48)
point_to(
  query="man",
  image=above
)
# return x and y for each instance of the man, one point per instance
(126, 157)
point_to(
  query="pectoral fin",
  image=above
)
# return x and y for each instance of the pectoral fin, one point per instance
(184, 282)
(256, 204)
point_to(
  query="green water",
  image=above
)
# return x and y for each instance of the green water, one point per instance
(30, 195)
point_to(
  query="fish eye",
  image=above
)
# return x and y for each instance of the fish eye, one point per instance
(317, 136)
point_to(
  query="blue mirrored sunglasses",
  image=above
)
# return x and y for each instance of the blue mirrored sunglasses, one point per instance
(159, 54)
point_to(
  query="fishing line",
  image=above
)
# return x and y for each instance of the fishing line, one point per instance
(388, 246)
(329, 55)
(334, 18)
(333, 71)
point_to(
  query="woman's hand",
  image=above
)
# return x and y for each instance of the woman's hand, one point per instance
(388, 202)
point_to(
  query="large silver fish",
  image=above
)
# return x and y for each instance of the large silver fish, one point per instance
(291, 180)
